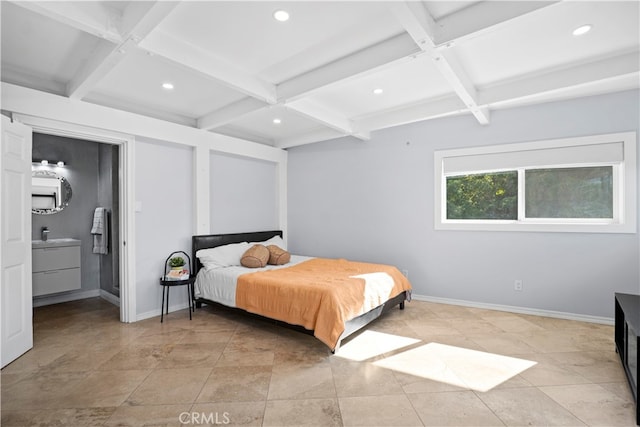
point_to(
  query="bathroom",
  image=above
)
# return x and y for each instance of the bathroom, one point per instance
(91, 169)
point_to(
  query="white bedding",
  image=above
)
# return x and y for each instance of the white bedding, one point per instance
(219, 284)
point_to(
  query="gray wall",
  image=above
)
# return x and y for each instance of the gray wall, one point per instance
(373, 201)
(243, 198)
(243, 194)
(75, 221)
(108, 196)
(164, 219)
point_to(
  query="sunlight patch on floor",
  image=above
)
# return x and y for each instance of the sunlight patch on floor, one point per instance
(371, 344)
(470, 369)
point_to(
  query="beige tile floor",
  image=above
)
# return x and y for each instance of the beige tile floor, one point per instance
(431, 364)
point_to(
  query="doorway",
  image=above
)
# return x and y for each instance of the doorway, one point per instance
(91, 171)
(126, 199)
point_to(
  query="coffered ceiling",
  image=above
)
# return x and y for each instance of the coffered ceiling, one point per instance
(334, 68)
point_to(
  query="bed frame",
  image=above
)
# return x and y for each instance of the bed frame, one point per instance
(214, 240)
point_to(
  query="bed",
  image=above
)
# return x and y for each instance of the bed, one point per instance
(331, 299)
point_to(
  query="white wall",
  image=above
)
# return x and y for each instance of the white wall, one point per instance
(243, 194)
(373, 201)
(164, 182)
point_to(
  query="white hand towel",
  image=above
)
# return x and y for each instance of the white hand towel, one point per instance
(98, 221)
(101, 234)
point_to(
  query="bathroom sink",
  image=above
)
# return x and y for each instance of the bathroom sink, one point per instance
(52, 243)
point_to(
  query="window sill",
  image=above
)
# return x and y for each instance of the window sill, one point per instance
(543, 227)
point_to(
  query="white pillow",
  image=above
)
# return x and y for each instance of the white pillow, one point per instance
(275, 240)
(222, 256)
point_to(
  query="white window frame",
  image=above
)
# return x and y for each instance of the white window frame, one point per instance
(624, 185)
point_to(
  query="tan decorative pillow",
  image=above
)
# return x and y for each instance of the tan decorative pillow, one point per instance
(278, 256)
(256, 256)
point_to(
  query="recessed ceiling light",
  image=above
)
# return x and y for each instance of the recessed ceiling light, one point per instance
(281, 15)
(584, 29)
(378, 91)
(167, 86)
(277, 121)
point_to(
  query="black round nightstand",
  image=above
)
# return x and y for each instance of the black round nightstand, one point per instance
(168, 284)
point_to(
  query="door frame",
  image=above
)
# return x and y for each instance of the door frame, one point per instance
(126, 183)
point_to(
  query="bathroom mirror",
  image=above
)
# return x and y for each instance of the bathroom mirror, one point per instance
(50, 192)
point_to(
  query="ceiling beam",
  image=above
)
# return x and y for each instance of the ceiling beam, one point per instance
(119, 104)
(47, 106)
(231, 112)
(263, 94)
(244, 134)
(480, 18)
(363, 61)
(412, 113)
(327, 117)
(215, 68)
(118, 34)
(618, 66)
(367, 60)
(103, 59)
(553, 80)
(420, 26)
(141, 18)
(455, 74)
(308, 138)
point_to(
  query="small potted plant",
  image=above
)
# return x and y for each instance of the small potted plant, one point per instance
(176, 263)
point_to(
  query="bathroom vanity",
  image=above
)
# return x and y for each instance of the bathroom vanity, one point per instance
(55, 266)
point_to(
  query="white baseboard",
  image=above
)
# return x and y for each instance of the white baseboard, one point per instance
(108, 296)
(57, 299)
(158, 312)
(520, 310)
(464, 303)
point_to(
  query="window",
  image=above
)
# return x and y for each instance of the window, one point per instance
(584, 184)
(483, 196)
(582, 192)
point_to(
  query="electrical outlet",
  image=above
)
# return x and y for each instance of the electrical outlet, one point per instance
(517, 285)
(405, 272)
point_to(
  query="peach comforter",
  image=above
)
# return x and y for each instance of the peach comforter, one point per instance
(320, 294)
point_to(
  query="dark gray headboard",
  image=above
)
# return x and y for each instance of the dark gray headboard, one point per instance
(214, 240)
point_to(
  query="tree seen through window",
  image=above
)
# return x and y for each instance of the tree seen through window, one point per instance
(483, 196)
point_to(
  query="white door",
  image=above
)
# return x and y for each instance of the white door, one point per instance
(15, 241)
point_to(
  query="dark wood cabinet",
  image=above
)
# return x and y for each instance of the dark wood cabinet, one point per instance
(627, 326)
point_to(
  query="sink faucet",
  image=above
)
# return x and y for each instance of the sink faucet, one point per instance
(45, 233)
